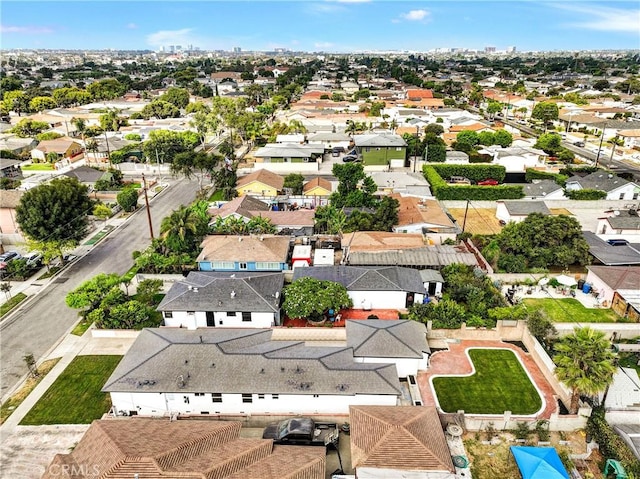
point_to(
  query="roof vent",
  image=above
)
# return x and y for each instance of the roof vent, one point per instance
(189, 287)
(277, 294)
(195, 290)
(232, 294)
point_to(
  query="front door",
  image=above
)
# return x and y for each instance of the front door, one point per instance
(409, 301)
(211, 322)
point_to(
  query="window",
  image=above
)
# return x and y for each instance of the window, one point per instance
(622, 196)
(198, 394)
(260, 396)
(247, 398)
(246, 317)
(268, 265)
(186, 399)
(398, 148)
(316, 395)
(275, 396)
(168, 314)
(231, 314)
(635, 196)
(191, 313)
(243, 265)
(216, 397)
(222, 265)
(204, 412)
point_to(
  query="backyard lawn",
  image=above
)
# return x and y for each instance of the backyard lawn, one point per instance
(569, 310)
(499, 384)
(75, 397)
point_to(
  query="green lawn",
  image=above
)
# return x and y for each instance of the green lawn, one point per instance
(75, 397)
(217, 195)
(38, 167)
(499, 384)
(12, 303)
(569, 310)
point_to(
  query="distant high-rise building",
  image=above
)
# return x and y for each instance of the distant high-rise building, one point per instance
(178, 48)
(237, 50)
(162, 48)
(190, 48)
(489, 49)
(511, 49)
(172, 48)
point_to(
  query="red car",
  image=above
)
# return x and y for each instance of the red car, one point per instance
(488, 182)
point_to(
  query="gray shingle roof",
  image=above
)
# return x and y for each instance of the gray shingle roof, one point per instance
(542, 188)
(624, 220)
(252, 292)
(524, 208)
(381, 338)
(85, 174)
(599, 180)
(232, 361)
(429, 275)
(391, 278)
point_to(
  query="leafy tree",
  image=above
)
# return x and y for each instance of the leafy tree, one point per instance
(311, 298)
(128, 199)
(540, 326)
(601, 85)
(160, 109)
(584, 363)
(165, 144)
(445, 314)
(106, 89)
(112, 121)
(350, 177)
(147, 290)
(494, 107)
(486, 138)
(133, 137)
(48, 135)
(102, 211)
(190, 164)
(15, 100)
(376, 108)
(55, 212)
(434, 128)
(466, 140)
(386, 216)
(329, 219)
(545, 111)
(179, 230)
(259, 225)
(29, 128)
(295, 181)
(41, 103)
(502, 138)
(129, 315)
(179, 97)
(550, 143)
(92, 292)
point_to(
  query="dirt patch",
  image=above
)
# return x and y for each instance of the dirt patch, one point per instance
(480, 221)
(560, 211)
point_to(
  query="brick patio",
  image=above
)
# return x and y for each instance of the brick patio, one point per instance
(344, 315)
(456, 362)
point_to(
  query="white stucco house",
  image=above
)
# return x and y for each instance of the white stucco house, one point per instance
(543, 190)
(232, 300)
(616, 188)
(383, 287)
(517, 211)
(620, 224)
(218, 371)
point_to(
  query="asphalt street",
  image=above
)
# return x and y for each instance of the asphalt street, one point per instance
(37, 326)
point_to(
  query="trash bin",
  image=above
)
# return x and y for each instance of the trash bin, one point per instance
(581, 283)
(586, 288)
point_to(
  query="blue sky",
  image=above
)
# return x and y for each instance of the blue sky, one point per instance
(322, 25)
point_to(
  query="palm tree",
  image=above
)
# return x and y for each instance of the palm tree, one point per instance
(179, 229)
(259, 225)
(81, 126)
(585, 363)
(296, 126)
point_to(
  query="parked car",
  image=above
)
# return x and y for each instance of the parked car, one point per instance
(337, 150)
(618, 242)
(350, 158)
(488, 182)
(6, 258)
(579, 143)
(34, 260)
(459, 180)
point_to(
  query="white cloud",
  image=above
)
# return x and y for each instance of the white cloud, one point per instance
(171, 37)
(601, 18)
(415, 15)
(26, 29)
(132, 26)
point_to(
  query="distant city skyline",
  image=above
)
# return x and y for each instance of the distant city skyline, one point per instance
(325, 25)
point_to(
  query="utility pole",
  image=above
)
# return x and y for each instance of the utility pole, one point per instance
(464, 221)
(146, 202)
(600, 146)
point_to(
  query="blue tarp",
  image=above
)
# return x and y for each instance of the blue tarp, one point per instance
(539, 462)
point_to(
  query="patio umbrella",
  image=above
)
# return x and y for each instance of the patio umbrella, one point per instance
(543, 281)
(539, 462)
(566, 280)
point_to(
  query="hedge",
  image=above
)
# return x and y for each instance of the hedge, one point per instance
(586, 194)
(477, 172)
(611, 445)
(532, 174)
(444, 191)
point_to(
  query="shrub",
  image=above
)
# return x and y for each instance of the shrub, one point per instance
(532, 174)
(522, 430)
(473, 172)
(586, 194)
(443, 191)
(611, 445)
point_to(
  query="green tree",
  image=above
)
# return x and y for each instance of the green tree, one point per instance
(545, 111)
(41, 103)
(102, 211)
(128, 199)
(295, 181)
(311, 298)
(434, 128)
(486, 138)
(15, 100)
(355, 188)
(112, 121)
(147, 290)
(445, 314)
(179, 230)
(164, 145)
(91, 293)
(259, 225)
(179, 97)
(26, 128)
(329, 219)
(601, 85)
(550, 143)
(502, 138)
(106, 89)
(160, 109)
(190, 164)
(48, 135)
(494, 107)
(585, 363)
(466, 141)
(55, 212)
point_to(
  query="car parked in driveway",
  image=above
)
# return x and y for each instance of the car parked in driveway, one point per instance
(34, 259)
(6, 258)
(488, 182)
(337, 150)
(350, 158)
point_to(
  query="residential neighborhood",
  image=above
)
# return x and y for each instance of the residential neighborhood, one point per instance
(433, 255)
